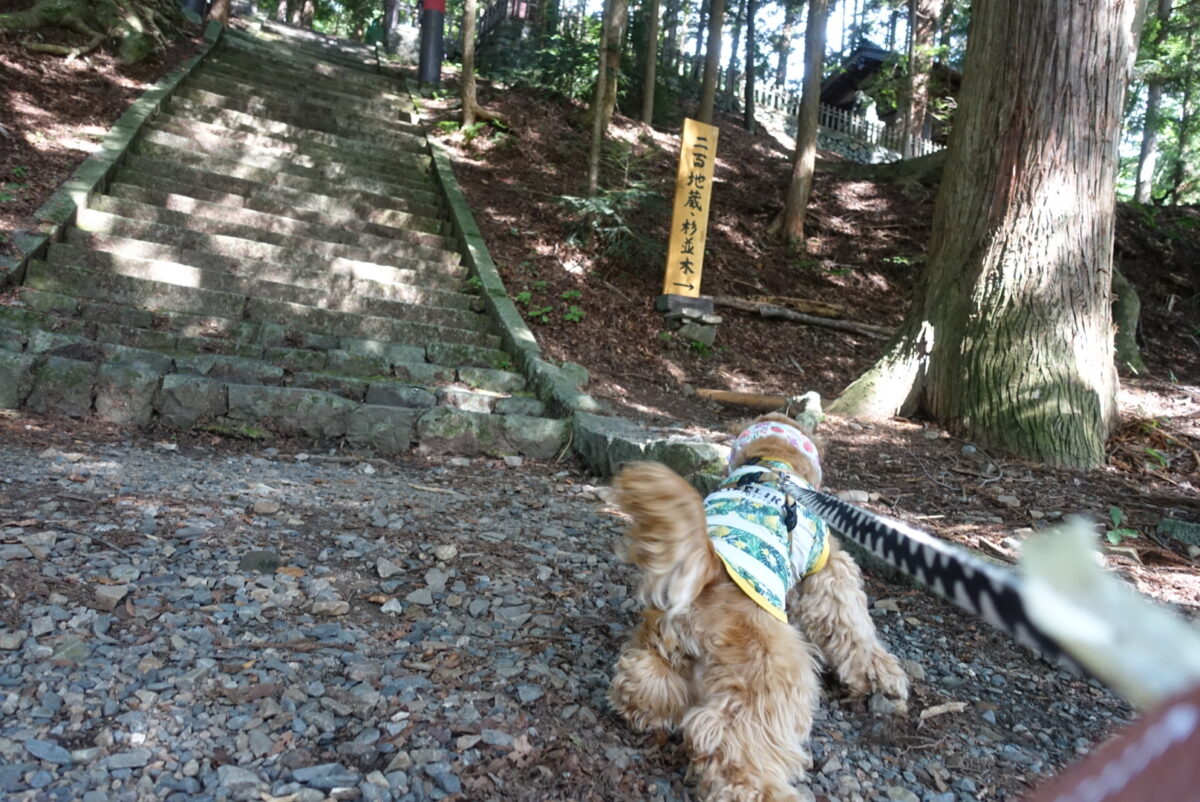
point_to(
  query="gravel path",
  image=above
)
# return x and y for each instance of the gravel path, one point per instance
(188, 623)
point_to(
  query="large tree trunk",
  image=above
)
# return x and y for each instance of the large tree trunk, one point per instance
(1148, 155)
(471, 110)
(599, 125)
(923, 22)
(391, 19)
(651, 56)
(614, 47)
(789, 226)
(783, 47)
(469, 102)
(1179, 173)
(735, 55)
(748, 100)
(712, 61)
(1010, 341)
(308, 12)
(671, 29)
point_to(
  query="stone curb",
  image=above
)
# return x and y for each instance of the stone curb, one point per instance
(558, 386)
(92, 176)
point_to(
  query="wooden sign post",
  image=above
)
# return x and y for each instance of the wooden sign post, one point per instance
(686, 310)
(689, 220)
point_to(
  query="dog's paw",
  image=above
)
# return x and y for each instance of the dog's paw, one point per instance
(881, 673)
(884, 675)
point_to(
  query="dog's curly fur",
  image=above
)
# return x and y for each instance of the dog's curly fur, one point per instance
(741, 684)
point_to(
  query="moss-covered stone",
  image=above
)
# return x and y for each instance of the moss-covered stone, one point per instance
(125, 393)
(496, 381)
(398, 394)
(385, 429)
(183, 400)
(292, 410)
(64, 386)
(16, 378)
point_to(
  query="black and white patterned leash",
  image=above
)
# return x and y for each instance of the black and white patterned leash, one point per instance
(979, 587)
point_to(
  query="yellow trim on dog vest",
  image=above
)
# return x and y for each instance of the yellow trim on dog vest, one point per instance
(748, 525)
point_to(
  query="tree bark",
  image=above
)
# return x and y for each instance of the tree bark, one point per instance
(1009, 341)
(651, 51)
(748, 100)
(923, 25)
(469, 103)
(712, 61)
(789, 226)
(391, 16)
(701, 31)
(1148, 154)
(671, 28)
(1179, 175)
(308, 12)
(783, 48)
(611, 62)
(471, 110)
(735, 55)
(598, 123)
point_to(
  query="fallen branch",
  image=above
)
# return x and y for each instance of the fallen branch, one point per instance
(766, 403)
(769, 311)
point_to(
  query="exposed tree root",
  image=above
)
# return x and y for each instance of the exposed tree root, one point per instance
(138, 27)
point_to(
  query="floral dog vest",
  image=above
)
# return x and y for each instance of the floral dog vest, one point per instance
(765, 539)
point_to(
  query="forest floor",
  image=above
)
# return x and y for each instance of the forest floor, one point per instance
(54, 112)
(866, 248)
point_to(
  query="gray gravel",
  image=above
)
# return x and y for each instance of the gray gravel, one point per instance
(182, 622)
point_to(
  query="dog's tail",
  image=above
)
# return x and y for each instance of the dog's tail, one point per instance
(669, 539)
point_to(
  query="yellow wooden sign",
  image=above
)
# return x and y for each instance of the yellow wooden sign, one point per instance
(689, 221)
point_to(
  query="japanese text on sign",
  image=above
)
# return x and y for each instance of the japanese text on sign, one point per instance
(689, 221)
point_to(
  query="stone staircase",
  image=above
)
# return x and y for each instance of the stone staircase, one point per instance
(273, 253)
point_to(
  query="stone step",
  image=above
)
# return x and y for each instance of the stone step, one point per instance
(308, 253)
(230, 309)
(228, 79)
(433, 277)
(104, 247)
(63, 318)
(307, 73)
(78, 380)
(340, 150)
(378, 373)
(357, 54)
(343, 293)
(241, 121)
(235, 66)
(262, 190)
(417, 185)
(398, 164)
(241, 215)
(282, 231)
(266, 47)
(317, 118)
(264, 144)
(310, 64)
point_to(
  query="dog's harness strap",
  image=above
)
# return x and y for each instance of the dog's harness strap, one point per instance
(978, 587)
